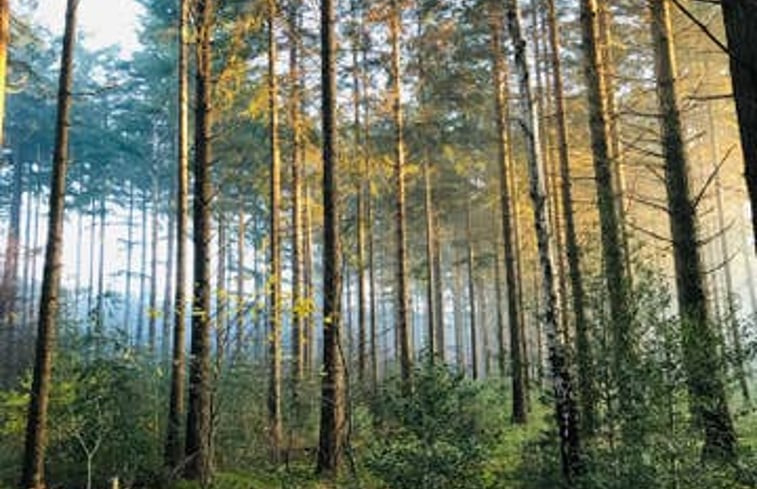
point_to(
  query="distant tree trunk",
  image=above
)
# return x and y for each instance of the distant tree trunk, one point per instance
(25, 280)
(586, 389)
(174, 447)
(275, 427)
(501, 346)
(199, 465)
(566, 412)
(100, 314)
(333, 408)
(91, 281)
(298, 297)
(703, 365)
(458, 313)
(436, 257)
(33, 472)
(615, 272)
(309, 333)
(470, 263)
(372, 289)
(740, 17)
(732, 321)
(142, 276)
(241, 300)
(403, 328)
(167, 316)
(129, 253)
(152, 316)
(9, 286)
(502, 114)
(5, 34)
(35, 248)
(221, 292)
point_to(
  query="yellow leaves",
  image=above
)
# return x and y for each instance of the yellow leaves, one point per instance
(258, 105)
(153, 314)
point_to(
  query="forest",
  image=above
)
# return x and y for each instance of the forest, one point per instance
(380, 244)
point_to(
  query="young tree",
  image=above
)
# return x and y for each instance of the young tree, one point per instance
(703, 365)
(198, 449)
(333, 402)
(33, 470)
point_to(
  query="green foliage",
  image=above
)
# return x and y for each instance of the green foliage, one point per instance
(437, 437)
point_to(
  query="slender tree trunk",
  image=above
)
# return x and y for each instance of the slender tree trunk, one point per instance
(91, 281)
(740, 17)
(470, 262)
(703, 365)
(615, 272)
(5, 34)
(35, 252)
(33, 472)
(174, 447)
(275, 427)
(8, 288)
(586, 389)
(403, 328)
(566, 412)
(309, 333)
(129, 254)
(241, 300)
(198, 449)
(221, 319)
(458, 313)
(333, 408)
(502, 114)
(167, 319)
(298, 298)
(152, 313)
(25, 280)
(100, 313)
(142, 276)
(372, 289)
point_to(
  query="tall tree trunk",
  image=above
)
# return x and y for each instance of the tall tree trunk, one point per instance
(470, 263)
(704, 367)
(566, 412)
(100, 313)
(8, 288)
(221, 319)
(501, 346)
(152, 312)
(5, 34)
(333, 408)
(458, 313)
(167, 316)
(25, 280)
(174, 447)
(142, 275)
(586, 389)
(372, 287)
(33, 472)
(275, 427)
(740, 17)
(198, 449)
(241, 300)
(298, 297)
(35, 252)
(403, 328)
(129, 253)
(91, 281)
(624, 361)
(309, 333)
(502, 114)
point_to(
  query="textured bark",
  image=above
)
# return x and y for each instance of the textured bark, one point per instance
(174, 447)
(502, 114)
(298, 298)
(703, 365)
(401, 278)
(33, 471)
(615, 272)
(198, 450)
(275, 423)
(586, 386)
(740, 17)
(565, 406)
(333, 409)
(5, 34)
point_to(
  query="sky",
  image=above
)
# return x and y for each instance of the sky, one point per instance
(105, 22)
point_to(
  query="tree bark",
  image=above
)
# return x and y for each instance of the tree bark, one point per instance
(584, 356)
(174, 447)
(703, 365)
(502, 114)
(167, 316)
(129, 253)
(740, 17)
(152, 312)
(142, 275)
(100, 313)
(275, 426)
(333, 409)
(9, 286)
(198, 449)
(469, 262)
(33, 472)
(565, 407)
